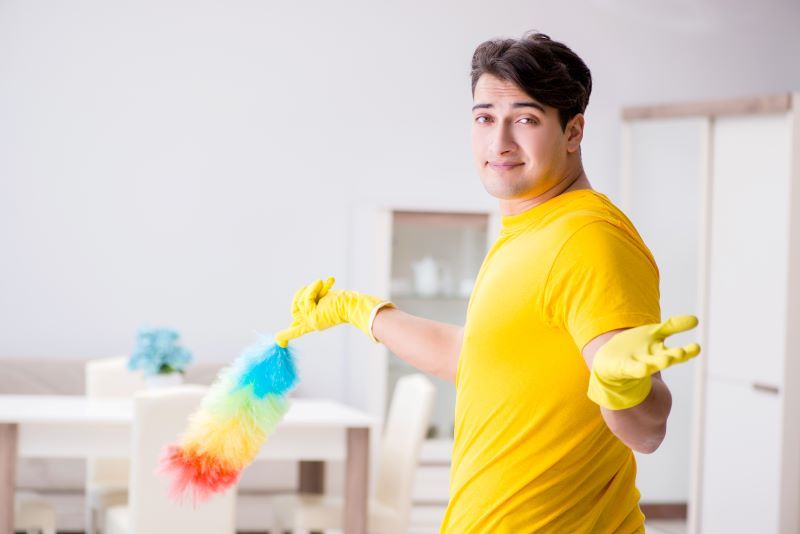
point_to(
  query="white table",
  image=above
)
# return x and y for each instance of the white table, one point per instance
(312, 432)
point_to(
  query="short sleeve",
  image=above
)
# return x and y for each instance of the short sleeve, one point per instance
(603, 278)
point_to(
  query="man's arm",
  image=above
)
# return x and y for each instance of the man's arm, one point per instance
(642, 427)
(430, 346)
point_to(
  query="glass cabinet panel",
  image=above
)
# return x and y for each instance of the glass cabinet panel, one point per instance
(435, 258)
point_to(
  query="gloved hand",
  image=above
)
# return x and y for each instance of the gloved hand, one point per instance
(621, 370)
(317, 307)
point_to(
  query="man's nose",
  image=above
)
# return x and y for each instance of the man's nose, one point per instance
(502, 141)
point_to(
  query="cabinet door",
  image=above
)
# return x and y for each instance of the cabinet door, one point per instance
(741, 459)
(749, 248)
(666, 167)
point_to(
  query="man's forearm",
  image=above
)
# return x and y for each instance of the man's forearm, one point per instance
(642, 427)
(430, 346)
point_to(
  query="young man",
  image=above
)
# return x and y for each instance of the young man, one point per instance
(557, 366)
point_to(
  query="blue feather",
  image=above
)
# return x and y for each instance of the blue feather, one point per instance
(269, 368)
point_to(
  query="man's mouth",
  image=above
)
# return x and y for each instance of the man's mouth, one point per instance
(502, 165)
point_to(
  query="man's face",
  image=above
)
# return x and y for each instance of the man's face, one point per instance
(517, 142)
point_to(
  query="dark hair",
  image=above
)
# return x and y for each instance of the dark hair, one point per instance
(545, 69)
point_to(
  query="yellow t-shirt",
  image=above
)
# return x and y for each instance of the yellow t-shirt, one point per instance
(532, 452)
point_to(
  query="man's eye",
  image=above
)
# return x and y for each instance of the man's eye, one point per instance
(482, 119)
(528, 120)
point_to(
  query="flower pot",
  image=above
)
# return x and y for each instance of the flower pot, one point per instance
(163, 380)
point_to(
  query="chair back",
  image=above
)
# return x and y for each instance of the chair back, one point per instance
(160, 417)
(110, 377)
(405, 430)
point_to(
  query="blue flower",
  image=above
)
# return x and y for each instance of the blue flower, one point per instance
(157, 351)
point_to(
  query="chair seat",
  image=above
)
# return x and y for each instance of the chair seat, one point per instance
(33, 512)
(117, 520)
(99, 497)
(388, 512)
(319, 512)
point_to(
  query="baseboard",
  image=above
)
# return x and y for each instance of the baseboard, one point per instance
(664, 510)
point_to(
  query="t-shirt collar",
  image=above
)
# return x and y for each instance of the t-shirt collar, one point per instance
(511, 224)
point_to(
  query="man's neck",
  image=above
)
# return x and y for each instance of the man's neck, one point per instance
(516, 206)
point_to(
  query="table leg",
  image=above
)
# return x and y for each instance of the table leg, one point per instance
(356, 481)
(312, 477)
(8, 477)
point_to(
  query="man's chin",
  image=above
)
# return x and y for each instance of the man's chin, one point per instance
(504, 191)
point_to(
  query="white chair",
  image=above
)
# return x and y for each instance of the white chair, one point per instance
(107, 479)
(32, 514)
(160, 417)
(389, 510)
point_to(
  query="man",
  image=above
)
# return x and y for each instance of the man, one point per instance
(557, 366)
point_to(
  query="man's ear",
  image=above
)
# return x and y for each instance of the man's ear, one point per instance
(574, 132)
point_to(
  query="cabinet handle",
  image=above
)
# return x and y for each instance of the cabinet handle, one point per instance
(766, 388)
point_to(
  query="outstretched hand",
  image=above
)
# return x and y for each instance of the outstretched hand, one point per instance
(620, 375)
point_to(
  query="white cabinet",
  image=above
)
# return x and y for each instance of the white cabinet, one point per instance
(715, 190)
(434, 259)
(426, 262)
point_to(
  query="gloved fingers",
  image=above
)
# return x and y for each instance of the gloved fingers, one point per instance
(660, 361)
(656, 346)
(296, 301)
(670, 356)
(326, 287)
(303, 304)
(308, 299)
(680, 354)
(675, 324)
(672, 353)
(689, 351)
(302, 294)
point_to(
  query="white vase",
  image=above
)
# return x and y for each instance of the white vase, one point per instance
(163, 380)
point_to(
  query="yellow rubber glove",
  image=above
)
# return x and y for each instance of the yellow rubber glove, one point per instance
(621, 370)
(317, 307)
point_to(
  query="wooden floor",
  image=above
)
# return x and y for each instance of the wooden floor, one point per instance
(666, 526)
(656, 526)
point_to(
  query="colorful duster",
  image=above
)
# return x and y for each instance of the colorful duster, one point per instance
(238, 413)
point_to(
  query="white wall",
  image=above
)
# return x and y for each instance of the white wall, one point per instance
(192, 163)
